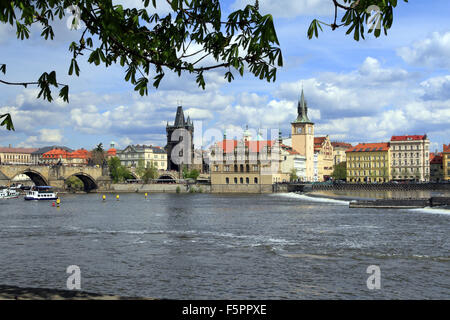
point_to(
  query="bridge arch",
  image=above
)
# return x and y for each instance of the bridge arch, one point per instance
(35, 176)
(89, 182)
(167, 178)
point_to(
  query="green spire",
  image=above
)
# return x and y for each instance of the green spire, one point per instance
(302, 110)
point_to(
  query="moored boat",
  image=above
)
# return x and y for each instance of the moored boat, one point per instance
(8, 193)
(41, 193)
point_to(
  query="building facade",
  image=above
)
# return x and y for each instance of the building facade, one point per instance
(132, 155)
(180, 142)
(324, 151)
(436, 167)
(292, 160)
(339, 149)
(302, 136)
(245, 166)
(446, 161)
(78, 157)
(369, 162)
(410, 157)
(36, 156)
(16, 155)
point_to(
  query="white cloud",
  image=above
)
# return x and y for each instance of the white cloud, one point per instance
(289, 8)
(50, 135)
(432, 52)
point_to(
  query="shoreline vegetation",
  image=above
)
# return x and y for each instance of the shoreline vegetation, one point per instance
(19, 293)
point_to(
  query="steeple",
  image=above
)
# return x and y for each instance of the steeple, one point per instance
(179, 118)
(302, 110)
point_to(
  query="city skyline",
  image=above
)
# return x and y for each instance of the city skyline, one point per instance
(363, 91)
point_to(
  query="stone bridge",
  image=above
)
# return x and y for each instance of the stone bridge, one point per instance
(92, 177)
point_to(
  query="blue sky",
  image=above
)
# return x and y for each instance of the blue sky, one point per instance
(362, 91)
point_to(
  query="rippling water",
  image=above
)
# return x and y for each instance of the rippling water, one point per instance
(203, 246)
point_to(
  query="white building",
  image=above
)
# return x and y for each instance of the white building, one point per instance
(133, 154)
(410, 157)
(291, 159)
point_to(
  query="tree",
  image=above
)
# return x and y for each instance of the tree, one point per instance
(377, 14)
(293, 175)
(117, 172)
(190, 174)
(74, 183)
(151, 172)
(98, 155)
(340, 171)
(148, 45)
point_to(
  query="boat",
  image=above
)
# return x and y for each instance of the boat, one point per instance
(41, 193)
(8, 193)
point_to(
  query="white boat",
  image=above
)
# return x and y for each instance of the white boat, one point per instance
(7, 193)
(41, 193)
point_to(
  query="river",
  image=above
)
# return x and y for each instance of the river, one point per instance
(206, 246)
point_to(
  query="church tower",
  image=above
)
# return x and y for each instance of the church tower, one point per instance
(303, 136)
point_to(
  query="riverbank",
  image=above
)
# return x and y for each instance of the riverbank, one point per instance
(18, 293)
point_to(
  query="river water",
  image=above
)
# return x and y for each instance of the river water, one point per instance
(205, 246)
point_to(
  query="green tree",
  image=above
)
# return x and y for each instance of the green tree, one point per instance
(340, 171)
(151, 172)
(74, 183)
(293, 175)
(147, 45)
(190, 174)
(378, 15)
(98, 155)
(115, 169)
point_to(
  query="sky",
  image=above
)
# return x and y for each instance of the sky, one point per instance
(362, 91)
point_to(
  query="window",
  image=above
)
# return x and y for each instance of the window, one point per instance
(235, 180)
(227, 180)
(247, 180)
(241, 180)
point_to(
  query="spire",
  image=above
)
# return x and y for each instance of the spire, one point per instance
(179, 118)
(225, 134)
(302, 110)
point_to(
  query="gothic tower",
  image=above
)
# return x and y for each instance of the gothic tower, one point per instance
(180, 123)
(303, 136)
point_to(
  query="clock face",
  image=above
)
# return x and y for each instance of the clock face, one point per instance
(299, 130)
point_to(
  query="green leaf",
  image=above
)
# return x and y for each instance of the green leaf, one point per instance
(7, 121)
(64, 93)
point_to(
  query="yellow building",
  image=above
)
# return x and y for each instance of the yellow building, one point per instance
(324, 150)
(245, 166)
(446, 161)
(16, 155)
(339, 149)
(369, 162)
(302, 135)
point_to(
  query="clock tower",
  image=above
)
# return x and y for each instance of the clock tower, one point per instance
(303, 136)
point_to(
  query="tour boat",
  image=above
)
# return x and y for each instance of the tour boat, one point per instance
(7, 193)
(41, 193)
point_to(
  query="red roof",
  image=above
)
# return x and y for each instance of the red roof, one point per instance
(18, 150)
(406, 138)
(253, 146)
(79, 154)
(113, 151)
(436, 158)
(341, 145)
(55, 153)
(370, 147)
(446, 148)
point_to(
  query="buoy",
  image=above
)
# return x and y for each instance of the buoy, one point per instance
(117, 197)
(104, 197)
(53, 203)
(146, 195)
(58, 201)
